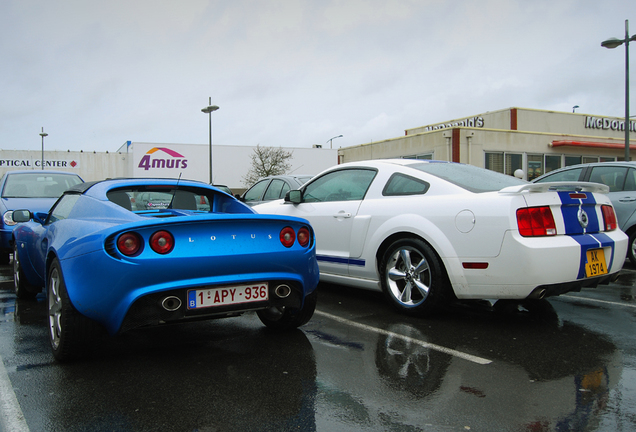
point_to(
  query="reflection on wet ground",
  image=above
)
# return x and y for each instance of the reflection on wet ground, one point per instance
(559, 364)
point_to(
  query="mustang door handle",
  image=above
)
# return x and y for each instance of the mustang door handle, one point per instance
(342, 214)
(627, 199)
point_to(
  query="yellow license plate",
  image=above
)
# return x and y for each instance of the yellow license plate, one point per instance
(595, 265)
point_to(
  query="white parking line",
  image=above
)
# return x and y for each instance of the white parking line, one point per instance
(591, 300)
(11, 417)
(439, 348)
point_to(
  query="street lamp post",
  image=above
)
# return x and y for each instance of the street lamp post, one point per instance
(614, 43)
(209, 110)
(331, 140)
(43, 134)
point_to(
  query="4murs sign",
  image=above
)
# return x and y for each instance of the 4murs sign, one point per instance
(151, 160)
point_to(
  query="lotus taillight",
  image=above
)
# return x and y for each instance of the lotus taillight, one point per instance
(162, 242)
(303, 236)
(130, 243)
(287, 237)
(609, 218)
(536, 222)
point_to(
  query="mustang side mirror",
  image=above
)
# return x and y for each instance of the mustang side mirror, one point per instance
(21, 216)
(294, 196)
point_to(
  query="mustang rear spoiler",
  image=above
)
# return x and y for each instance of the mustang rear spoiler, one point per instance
(557, 186)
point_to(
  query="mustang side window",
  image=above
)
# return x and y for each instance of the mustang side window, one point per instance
(63, 208)
(341, 185)
(400, 184)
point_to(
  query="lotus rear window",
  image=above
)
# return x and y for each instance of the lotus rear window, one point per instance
(157, 199)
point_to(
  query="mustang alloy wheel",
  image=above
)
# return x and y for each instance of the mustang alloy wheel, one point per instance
(631, 248)
(23, 289)
(412, 276)
(287, 319)
(69, 331)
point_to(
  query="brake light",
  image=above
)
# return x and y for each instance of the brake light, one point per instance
(287, 237)
(536, 221)
(609, 218)
(303, 236)
(129, 243)
(162, 242)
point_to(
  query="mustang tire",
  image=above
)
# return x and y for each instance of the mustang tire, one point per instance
(69, 331)
(23, 289)
(286, 319)
(631, 248)
(412, 277)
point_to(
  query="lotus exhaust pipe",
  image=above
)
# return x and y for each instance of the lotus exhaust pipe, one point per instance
(171, 303)
(282, 291)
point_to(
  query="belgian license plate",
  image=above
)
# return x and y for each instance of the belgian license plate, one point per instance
(595, 265)
(224, 296)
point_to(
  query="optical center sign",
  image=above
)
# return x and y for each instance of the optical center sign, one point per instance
(37, 163)
(171, 161)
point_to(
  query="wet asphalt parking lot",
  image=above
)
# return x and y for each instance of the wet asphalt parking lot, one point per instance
(568, 364)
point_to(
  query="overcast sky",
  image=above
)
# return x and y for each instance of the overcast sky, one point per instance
(291, 73)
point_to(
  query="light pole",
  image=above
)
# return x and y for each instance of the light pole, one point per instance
(43, 134)
(209, 110)
(331, 140)
(574, 108)
(613, 43)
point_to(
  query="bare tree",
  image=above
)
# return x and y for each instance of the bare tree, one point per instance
(267, 161)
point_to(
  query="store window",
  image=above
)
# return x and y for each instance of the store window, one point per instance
(495, 162)
(590, 159)
(514, 161)
(552, 162)
(535, 166)
(425, 156)
(506, 163)
(572, 160)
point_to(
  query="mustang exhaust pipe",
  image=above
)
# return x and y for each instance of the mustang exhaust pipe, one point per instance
(282, 291)
(171, 303)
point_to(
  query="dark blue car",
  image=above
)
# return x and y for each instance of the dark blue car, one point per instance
(122, 254)
(35, 190)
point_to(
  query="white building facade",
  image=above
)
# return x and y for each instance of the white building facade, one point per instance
(190, 161)
(535, 141)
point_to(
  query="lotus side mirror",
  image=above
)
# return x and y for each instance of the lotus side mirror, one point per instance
(294, 196)
(21, 216)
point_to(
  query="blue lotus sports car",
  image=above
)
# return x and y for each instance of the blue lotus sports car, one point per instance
(126, 253)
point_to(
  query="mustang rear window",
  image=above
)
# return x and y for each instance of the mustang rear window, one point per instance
(469, 177)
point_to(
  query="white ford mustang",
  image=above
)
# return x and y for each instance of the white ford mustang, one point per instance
(428, 231)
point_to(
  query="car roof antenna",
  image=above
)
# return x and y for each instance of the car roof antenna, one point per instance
(175, 191)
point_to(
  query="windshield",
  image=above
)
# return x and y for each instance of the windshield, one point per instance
(38, 185)
(469, 177)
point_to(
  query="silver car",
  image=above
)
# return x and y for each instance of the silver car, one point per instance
(273, 188)
(621, 179)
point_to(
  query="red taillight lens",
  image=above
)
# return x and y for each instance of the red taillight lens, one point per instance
(162, 242)
(536, 221)
(609, 218)
(129, 243)
(287, 237)
(303, 236)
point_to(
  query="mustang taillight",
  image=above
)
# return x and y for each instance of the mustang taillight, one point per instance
(287, 236)
(162, 242)
(536, 222)
(609, 218)
(129, 243)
